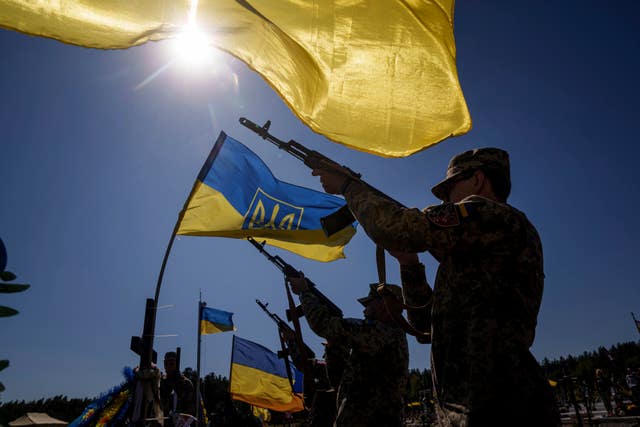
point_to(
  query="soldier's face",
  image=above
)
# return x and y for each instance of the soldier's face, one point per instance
(169, 365)
(373, 309)
(464, 187)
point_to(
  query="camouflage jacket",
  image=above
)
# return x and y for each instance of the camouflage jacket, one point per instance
(484, 305)
(375, 376)
(183, 400)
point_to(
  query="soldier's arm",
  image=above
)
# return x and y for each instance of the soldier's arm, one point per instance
(417, 294)
(438, 229)
(353, 332)
(320, 319)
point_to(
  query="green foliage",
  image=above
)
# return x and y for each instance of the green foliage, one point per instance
(7, 276)
(60, 407)
(7, 311)
(577, 373)
(418, 385)
(7, 288)
(221, 410)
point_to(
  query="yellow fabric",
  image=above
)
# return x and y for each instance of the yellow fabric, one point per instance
(552, 383)
(208, 213)
(207, 328)
(262, 389)
(376, 75)
(261, 413)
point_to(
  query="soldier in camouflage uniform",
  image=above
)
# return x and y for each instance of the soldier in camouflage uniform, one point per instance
(483, 309)
(375, 376)
(176, 391)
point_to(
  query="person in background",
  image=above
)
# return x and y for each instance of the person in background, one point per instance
(603, 387)
(176, 391)
(375, 376)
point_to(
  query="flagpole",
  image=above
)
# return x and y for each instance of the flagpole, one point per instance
(233, 346)
(200, 306)
(149, 342)
(150, 329)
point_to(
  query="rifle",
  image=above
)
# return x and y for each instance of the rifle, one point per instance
(342, 217)
(287, 331)
(290, 271)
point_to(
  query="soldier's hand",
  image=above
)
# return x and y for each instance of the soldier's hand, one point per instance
(298, 284)
(405, 258)
(331, 180)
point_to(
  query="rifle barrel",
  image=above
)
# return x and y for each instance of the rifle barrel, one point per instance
(289, 271)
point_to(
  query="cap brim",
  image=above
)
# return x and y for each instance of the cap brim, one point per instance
(441, 189)
(366, 300)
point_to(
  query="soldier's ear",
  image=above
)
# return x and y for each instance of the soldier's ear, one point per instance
(479, 181)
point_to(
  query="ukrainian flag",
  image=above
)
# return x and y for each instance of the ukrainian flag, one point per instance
(236, 195)
(259, 377)
(213, 321)
(376, 75)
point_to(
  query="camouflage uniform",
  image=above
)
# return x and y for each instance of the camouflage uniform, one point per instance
(374, 379)
(483, 308)
(184, 395)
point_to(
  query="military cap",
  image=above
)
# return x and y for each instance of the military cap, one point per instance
(170, 355)
(375, 290)
(464, 164)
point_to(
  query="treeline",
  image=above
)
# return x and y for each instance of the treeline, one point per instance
(60, 407)
(576, 374)
(576, 370)
(614, 361)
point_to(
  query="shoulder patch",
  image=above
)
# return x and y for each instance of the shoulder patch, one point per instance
(445, 215)
(450, 214)
(466, 210)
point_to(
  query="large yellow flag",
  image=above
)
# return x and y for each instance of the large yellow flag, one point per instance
(376, 75)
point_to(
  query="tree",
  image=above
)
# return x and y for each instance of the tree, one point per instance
(7, 288)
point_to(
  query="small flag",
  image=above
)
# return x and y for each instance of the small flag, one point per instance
(259, 377)
(214, 321)
(237, 196)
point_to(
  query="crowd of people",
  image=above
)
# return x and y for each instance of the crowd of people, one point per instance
(620, 396)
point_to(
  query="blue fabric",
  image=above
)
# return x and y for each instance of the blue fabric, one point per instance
(253, 182)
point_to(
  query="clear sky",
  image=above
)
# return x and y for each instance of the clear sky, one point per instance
(94, 168)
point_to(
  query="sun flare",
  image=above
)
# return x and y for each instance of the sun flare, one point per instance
(192, 48)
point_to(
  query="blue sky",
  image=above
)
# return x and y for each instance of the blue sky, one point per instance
(94, 170)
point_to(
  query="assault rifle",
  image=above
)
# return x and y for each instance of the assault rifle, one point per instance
(287, 331)
(289, 271)
(342, 217)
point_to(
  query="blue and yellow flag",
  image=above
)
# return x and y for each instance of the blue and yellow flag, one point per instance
(236, 195)
(376, 75)
(259, 377)
(214, 321)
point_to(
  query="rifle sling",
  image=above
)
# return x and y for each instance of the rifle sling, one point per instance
(396, 314)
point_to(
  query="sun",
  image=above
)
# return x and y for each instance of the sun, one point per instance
(192, 48)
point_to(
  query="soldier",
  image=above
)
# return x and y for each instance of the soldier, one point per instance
(487, 294)
(375, 376)
(176, 391)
